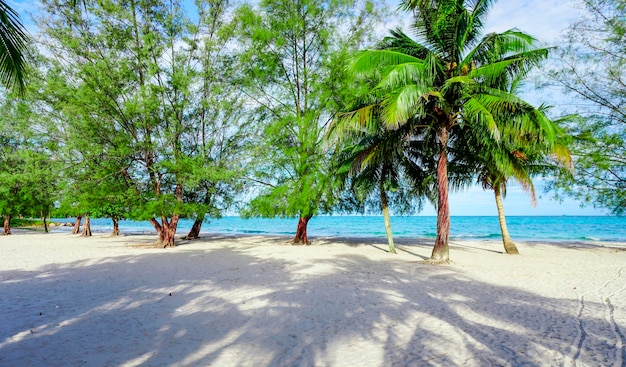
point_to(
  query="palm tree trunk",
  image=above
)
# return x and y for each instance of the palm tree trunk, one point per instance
(509, 246)
(441, 252)
(387, 218)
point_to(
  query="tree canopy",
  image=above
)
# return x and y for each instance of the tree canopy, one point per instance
(161, 110)
(293, 58)
(591, 68)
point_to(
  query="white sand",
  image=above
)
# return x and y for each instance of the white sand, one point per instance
(256, 301)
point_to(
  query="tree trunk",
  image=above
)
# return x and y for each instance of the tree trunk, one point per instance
(387, 218)
(116, 227)
(7, 225)
(157, 226)
(194, 233)
(87, 227)
(301, 238)
(441, 253)
(166, 231)
(45, 224)
(509, 246)
(76, 229)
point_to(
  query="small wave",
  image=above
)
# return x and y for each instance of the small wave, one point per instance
(589, 238)
(476, 236)
(251, 231)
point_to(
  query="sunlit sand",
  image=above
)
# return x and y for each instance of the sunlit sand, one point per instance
(257, 301)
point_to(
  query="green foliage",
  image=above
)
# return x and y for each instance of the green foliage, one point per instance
(293, 66)
(448, 84)
(591, 68)
(381, 167)
(29, 167)
(150, 120)
(13, 47)
(23, 222)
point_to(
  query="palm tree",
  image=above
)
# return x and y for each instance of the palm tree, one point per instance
(498, 163)
(493, 177)
(373, 170)
(516, 156)
(444, 83)
(382, 161)
(13, 41)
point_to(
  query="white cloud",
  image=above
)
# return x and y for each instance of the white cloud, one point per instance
(545, 20)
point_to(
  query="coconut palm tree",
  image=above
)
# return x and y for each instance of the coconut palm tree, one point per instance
(447, 82)
(517, 156)
(13, 41)
(383, 161)
(492, 177)
(497, 163)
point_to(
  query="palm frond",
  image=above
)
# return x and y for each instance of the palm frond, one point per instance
(371, 61)
(401, 42)
(496, 46)
(408, 72)
(405, 103)
(13, 41)
(346, 124)
(476, 112)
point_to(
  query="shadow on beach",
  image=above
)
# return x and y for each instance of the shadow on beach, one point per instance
(229, 306)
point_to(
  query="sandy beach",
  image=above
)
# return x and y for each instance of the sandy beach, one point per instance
(257, 301)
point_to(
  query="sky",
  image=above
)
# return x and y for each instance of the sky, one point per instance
(546, 21)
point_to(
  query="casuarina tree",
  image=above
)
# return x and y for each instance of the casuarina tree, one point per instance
(293, 57)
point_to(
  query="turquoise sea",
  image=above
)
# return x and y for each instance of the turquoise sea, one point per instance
(531, 228)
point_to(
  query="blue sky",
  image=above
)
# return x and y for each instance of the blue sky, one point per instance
(546, 21)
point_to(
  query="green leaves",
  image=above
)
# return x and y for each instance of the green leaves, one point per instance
(147, 105)
(29, 170)
(295, 58)
(590, 70)
(13, 47)
(451, 90)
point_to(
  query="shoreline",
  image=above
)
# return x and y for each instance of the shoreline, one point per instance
(251, 300)
(601, 229)
(340, 239)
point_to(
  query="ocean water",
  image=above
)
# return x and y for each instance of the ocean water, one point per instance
(552, 228)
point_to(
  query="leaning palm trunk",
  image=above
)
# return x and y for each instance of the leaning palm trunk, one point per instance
(509, 246)
(441, 252)
(387, 218)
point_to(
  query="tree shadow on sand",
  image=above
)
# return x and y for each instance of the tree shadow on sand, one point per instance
(228, 306)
